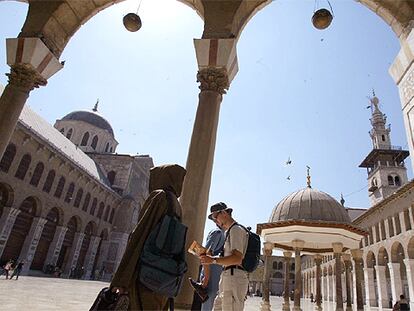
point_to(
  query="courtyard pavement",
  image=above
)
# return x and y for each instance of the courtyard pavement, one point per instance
(53, 294)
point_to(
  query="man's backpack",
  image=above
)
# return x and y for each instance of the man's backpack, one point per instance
(252, 257)
(162, 262)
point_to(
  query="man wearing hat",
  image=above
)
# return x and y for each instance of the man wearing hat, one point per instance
(233, 281)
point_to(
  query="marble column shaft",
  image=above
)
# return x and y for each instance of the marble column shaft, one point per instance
(30, 243)
(383, 300)
(55, 246)
(196, 187)
(338, 282)
(348, 284)
(298, 280)
(396, 282)
(359, 276)
(265, 305)
(286, 289)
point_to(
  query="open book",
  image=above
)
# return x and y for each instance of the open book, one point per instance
(197, 249)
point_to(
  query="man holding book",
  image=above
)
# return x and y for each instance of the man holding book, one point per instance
(234, 280)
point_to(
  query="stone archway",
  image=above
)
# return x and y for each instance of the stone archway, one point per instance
(73, 226)
(53, 219)
(29, 209)
(90, 230)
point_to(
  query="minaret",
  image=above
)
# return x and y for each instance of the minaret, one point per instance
(385, 163)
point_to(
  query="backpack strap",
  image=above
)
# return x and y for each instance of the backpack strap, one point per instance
(228, 231)
(170, 205)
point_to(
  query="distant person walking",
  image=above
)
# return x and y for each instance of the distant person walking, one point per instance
(17, 270)
(8, 266)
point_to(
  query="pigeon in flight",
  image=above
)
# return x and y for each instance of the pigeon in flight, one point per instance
(289, 161)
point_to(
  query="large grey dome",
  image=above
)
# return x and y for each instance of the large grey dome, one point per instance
(310, 204)
(90, 117)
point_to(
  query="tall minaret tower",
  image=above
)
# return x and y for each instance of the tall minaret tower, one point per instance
(385, 163)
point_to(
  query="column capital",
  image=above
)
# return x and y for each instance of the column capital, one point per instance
(24, 76)
(337, 247)
(287, 255)
(318, 259)
(346, 258)
(298, 244)
(213, 79)
(357, 254)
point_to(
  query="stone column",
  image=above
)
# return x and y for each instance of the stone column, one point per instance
(347, 262)
(409, 266)
(323, 288)
(297, 245)
(383, 300)
(6, 224)
(55, 246)
(318, 297)
(90, 256)
(396, 282)
(286, 289)
(30, 243)
(337, 248)
(370, 293)
(74, 253)
(267, 250)
(31, 64)
(217, 62)
(358, 273)
(328, 287)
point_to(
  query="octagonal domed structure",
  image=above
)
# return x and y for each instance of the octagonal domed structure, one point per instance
(312, 205)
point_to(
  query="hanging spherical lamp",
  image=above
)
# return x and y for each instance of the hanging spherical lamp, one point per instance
(132, 22)
(322, 18)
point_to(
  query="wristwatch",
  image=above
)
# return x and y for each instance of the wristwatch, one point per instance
(215, 261)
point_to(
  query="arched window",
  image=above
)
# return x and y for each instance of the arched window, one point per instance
(101, 209)
(407, 220)
(8, 158)
(106, 147)
(93, 207)
(397, 181)
(111, 177)
(275, 265)
(69, 134)
(383, 138)
(69, 194)
(86, 202)
(108, 208)
(110, 150)
(23, 166)
(94, 142)
(78, 198)
(85, 139)
(59, 187)
(37, 174)
(280, 266)
(111, 217)
(49, 181)
(397, 224)
(391, 226)
(390, 181)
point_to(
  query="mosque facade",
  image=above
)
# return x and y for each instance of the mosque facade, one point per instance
(68, 201)
(387, 249)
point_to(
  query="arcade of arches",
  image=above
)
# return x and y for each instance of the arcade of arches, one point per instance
(51, 24)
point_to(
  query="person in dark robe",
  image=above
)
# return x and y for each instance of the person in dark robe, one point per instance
(126, 279)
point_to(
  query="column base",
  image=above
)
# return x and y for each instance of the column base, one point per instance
(318, 308)
(286, 306)
(265, 306)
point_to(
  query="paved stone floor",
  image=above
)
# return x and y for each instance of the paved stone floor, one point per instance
(47, 294)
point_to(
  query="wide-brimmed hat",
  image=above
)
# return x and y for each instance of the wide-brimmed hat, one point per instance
(217, 208)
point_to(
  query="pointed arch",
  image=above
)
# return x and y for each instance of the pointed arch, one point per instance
(85, 139)
(8, 157)
(23, 166)
(37, 174)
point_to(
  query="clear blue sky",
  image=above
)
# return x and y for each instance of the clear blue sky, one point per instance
(299, 92)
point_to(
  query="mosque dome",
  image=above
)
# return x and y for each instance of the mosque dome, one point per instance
(91, 117)
(310, 205)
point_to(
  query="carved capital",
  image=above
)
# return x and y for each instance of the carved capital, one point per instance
(213, 79)
(24, 76)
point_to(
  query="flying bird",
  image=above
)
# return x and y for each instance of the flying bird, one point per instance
(288, 178)
(289, 161)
